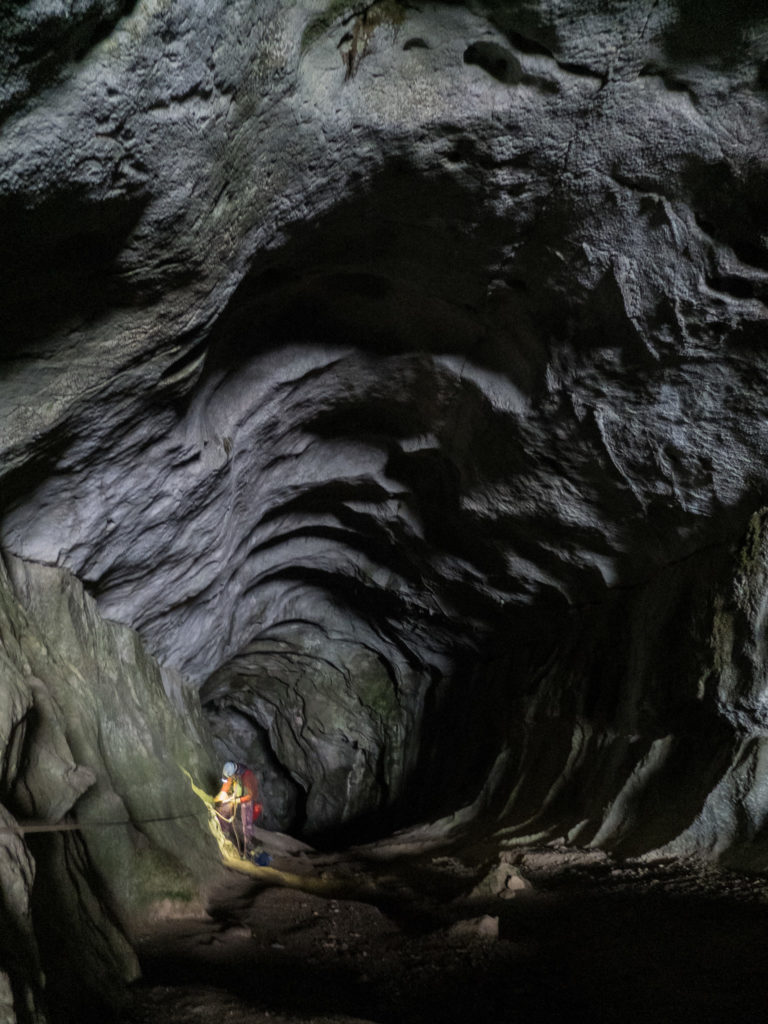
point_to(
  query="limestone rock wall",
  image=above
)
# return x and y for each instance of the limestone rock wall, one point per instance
(92, 751)
(397, 372)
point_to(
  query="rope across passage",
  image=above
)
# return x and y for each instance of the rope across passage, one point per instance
(230, 852)
(71, 826)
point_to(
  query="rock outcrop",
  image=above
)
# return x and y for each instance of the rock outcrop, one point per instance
(99, 821)
(396, 373)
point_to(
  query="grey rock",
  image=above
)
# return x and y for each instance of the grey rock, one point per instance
(485, 928)
(93, 751)
(502, 881)
(21, 977)
(397, 373)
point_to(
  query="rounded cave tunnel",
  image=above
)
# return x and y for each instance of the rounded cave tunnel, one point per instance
(353, 394)
(383, 408)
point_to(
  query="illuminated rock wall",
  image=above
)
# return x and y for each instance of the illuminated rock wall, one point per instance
(398, 374)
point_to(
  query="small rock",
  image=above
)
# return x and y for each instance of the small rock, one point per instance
(485, 927)
(504, 881)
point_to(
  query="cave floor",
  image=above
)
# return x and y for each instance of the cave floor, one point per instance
(590, 939)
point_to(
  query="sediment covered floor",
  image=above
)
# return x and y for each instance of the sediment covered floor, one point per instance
(592, 939)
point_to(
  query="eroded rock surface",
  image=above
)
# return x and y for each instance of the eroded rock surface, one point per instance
(397, 372)
(101, 821)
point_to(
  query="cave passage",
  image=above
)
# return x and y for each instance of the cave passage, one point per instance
(383, 405)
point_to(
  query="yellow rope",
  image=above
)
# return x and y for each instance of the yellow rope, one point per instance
(230, 856)
(327, 886)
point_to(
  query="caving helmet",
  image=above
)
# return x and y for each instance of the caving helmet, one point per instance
(229, 769)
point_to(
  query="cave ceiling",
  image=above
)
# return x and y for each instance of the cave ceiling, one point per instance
(397, 371)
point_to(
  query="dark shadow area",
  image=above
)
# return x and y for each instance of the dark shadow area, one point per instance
(713, 29)
(76, 951)
(619, 945)
(20, 482)
(398, 265)
(733, 212)
(499, 62)
(59, 262)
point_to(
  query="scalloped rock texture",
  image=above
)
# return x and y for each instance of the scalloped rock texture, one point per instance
(397, 372)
